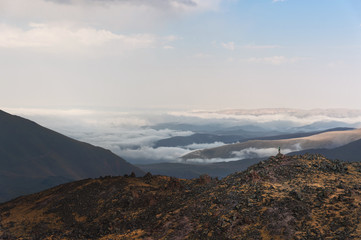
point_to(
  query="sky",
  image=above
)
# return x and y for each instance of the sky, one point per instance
(180, 54)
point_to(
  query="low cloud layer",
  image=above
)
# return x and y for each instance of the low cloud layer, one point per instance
(195, 146)
(298, 117)
(132, 135)
(262, 152)
(211, 160)
(147, 154)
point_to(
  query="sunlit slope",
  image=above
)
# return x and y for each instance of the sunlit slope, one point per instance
(327, 140)
(350, 152)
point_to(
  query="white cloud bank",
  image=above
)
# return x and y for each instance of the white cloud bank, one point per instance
(195, 146)
(297, 116)
(151, 155)
(131, 136)
(262, 152)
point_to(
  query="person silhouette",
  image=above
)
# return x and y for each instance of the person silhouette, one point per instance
(279, 150)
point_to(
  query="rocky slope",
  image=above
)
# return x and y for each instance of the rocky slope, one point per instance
(33, 158)
(285, 197)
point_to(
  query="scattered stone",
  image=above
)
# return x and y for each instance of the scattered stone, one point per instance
(285, 197)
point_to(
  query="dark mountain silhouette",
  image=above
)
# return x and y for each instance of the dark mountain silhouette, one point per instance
(197, 138)
(285, 197)
(350, 152)
(203, 128)
(33, 158)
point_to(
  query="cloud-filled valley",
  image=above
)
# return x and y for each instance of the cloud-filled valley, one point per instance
(134, 135)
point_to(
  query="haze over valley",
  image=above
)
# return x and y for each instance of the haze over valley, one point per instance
(165, 136)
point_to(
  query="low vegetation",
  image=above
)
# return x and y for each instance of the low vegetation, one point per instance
(284, 197)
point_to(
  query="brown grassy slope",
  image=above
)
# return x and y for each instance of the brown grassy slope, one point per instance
(297, 197)
(331, 139)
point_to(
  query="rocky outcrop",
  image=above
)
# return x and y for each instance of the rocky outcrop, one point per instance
(284, 197)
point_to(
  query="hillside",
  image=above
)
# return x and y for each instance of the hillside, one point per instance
(330, 139)
(194, 170)
(34, 158)
(350, 152)
(284, 197)
(227, 139)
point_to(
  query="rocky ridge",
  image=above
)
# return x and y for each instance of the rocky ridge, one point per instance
(284, 197)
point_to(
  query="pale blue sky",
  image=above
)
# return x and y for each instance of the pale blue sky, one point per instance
(190, 54)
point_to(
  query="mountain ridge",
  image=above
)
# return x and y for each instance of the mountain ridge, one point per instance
(350, 152)
(34, 153)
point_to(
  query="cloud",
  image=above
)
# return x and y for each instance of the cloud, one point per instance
(195, 146)
(168, 47)
(44, 36)
(175, 3)
(274, 60)
(228, 45)
(113, 16)
(337, 64)
(262, 152)
(253, 46)
(275, 1)
(151, 155)
(202, 55)
(298, 117)
(210, 160)
(182, 5)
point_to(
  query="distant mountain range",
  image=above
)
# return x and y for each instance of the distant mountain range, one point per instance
(33, 158)
(199, 138)
(190, 170)
(329, 140)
